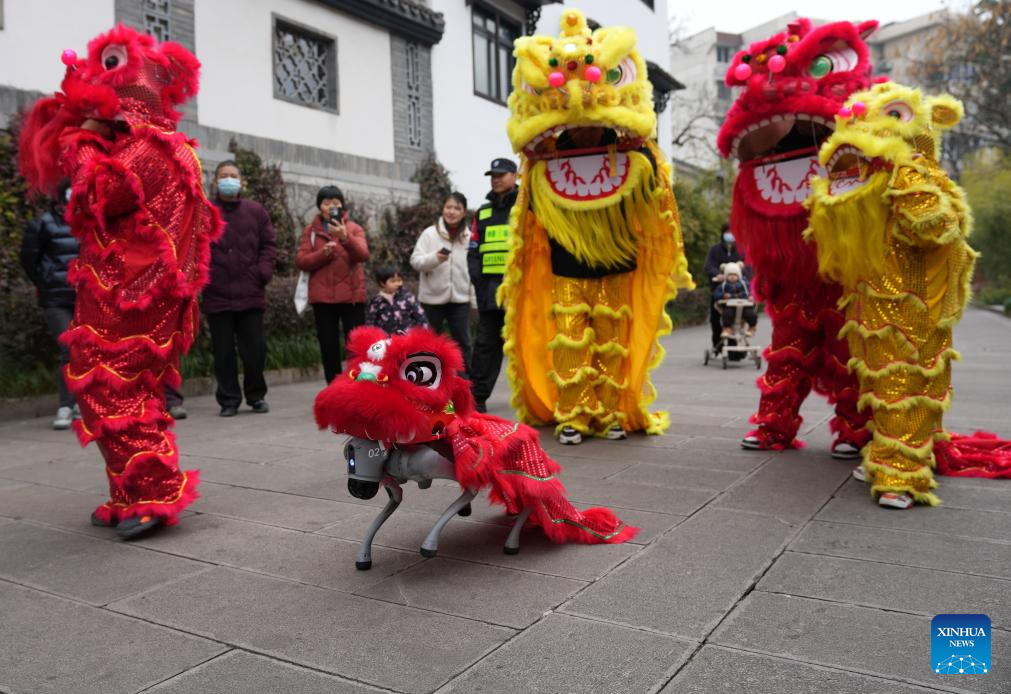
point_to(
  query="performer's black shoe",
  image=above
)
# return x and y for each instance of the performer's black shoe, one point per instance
(135, 526)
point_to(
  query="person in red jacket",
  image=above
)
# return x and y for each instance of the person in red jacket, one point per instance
(242, 263)
(333, 251)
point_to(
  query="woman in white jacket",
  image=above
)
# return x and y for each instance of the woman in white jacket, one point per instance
(440, 257)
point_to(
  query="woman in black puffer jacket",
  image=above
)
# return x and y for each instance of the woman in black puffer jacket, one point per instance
(46, 251)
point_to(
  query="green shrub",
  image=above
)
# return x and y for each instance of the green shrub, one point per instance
(689, 308)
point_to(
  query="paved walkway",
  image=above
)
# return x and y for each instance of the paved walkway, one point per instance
(754, 572)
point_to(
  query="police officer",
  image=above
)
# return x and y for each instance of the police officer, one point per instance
(486, 261)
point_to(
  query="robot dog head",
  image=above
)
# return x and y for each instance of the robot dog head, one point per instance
(401, 389)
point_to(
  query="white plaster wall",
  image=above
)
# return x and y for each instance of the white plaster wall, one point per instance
(233, 41)
(36, 32)
(470, 130)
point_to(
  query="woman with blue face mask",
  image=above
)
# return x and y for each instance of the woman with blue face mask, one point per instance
(242, 263)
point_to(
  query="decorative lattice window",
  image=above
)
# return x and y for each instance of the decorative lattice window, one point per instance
(156, 19)
(305, 66)
(414, 136)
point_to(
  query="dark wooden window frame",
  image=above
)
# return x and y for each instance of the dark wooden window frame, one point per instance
(517, 25)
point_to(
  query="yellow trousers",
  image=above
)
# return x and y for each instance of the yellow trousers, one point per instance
(589, 352)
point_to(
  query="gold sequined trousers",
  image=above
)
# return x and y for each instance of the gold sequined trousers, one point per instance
(593, 318)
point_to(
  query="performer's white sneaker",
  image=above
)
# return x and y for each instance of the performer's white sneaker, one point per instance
(616, 433)
(858, 473)
(569, 436)
(751, 443)
(844, 450)
(893, 500)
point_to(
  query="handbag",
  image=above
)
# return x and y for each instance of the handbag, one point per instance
(302, 286)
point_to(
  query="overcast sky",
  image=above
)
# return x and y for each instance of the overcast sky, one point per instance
(736, 16)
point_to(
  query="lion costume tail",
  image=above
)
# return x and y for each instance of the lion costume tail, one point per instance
(506, 458)
(980, 455)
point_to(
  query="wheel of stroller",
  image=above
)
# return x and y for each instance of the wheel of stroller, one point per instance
(705, 358)
(725, 360)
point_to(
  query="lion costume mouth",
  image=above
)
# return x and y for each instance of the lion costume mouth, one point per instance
(586, 162)
(849, 169)
(782, 153)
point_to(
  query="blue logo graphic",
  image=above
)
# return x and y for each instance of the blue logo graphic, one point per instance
(960, 644)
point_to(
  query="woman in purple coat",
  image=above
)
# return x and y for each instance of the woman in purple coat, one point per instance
(242, 263)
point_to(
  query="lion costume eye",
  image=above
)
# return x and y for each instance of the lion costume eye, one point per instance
(623, 73)
(840, 60)
(113, 57)
(422, 369)
(899, 110)
(377, 351)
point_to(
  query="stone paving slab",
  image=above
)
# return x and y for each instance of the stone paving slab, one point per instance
(78, 567)
(587, 656)
(887, 586)
(858, 639)
(239, 672)
(283, 510)
(715, 670)
(55, 645)
(61, 508)
(676, 476)
(79, 475)
(511, 598)
(907, 548)
(401, 648)
(308, 558)
(684, 583)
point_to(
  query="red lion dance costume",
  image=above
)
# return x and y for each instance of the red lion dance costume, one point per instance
(404, 391)
(138, 209)
(794, 83)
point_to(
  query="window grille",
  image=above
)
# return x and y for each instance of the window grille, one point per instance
(156, 19)
(414, 134)
(305, 66)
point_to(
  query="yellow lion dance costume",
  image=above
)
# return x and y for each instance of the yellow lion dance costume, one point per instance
(596, 249)
(890, 228)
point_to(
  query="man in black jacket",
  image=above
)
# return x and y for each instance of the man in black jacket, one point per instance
(486, 259)
(719, 255)
(47, 248)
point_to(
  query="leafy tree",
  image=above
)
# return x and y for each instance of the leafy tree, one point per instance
(704, 206)
(987, 180)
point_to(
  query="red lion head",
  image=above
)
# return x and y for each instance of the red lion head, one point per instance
(127, 79)
(794, 84)
(401, 389)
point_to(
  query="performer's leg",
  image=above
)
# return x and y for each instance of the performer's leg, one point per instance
(253, 352)
(573, 372)
(611, 321)
(849, 424)
(785, 383)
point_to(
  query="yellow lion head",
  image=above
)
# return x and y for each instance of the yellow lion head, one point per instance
(880, 129)
(582, 112)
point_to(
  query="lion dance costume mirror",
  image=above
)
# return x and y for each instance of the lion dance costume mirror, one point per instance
(138, 209)
(596, 249)
(792, 86)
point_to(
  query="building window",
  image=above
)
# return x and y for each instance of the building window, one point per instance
(414, 138)
(493, 53)
(723, 54)
(305, 66)
(156, 19)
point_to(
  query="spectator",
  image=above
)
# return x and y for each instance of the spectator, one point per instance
(47, 248)
(333, 250)
(394, 309)
(440, 257)
(486, 257)
(174, 402)
(719, 255)
(242, 263)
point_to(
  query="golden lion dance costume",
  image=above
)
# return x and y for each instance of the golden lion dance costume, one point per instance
(890, 227)
(138, 209)
(596, 248)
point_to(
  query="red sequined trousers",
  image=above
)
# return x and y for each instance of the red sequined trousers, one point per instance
(144, 228)
(805, 353)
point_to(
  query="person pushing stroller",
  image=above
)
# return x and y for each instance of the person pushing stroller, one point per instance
(733, 287)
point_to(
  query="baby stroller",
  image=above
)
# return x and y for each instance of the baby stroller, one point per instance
(735, 346)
